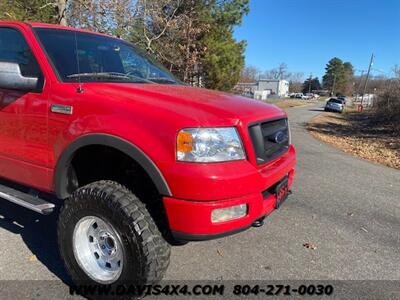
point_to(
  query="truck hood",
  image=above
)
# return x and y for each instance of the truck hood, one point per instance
(205, 106)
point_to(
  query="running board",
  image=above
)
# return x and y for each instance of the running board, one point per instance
(26, 200)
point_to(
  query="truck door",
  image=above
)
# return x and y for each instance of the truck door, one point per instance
(23, 113)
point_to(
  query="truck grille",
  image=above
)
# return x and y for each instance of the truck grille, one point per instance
(270, 139)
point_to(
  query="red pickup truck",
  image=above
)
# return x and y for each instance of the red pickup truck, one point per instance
(139, 159)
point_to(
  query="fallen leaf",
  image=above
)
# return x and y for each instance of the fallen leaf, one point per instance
(310, 246)
(350, 214)
(355, 135)
(33, 258)
(220, 252)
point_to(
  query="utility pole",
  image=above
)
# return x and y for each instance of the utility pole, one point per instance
(334, 83)
(359, 85)
(366, 79)
(309, 84)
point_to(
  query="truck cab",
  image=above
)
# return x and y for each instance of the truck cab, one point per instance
(140, 160)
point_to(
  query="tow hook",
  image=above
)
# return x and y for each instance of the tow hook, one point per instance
(259, 222)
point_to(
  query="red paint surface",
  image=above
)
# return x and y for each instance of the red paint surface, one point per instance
(148, 116)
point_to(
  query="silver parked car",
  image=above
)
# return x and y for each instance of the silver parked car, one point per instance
(335, 105)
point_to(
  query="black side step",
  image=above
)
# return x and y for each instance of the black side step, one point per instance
(26, 200)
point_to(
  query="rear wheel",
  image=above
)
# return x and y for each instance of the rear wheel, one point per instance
(106, 236)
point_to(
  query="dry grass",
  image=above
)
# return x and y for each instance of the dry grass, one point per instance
(287, 103)
(359, 134)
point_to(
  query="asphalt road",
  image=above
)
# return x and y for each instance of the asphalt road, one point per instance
(348, 208)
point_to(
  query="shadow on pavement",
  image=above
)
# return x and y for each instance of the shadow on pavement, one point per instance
(38, 232)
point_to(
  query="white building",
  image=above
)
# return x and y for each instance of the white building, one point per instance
(274, 86)
(264, 88)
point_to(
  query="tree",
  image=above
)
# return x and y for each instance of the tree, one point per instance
(295, 77)
(156, 16)
(280, 72)
(295, 87)
(295, 82)
(387, 103)
(174, 32)
(338, 76)
(116, 17)
(192, 38)
(249, 74)
(34, 10)
(29, 10)
(61, 7)
(396, 71)
(224, 58)
(310, 85)
(223, 62)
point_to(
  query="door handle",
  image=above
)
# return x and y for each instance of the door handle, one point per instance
(61, 109)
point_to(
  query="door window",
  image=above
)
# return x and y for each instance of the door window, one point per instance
(14, 48)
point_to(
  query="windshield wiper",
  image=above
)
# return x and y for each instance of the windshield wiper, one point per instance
(101, 74)
(109, 75)
(163, 80)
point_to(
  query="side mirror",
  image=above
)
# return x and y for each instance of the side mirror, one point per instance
(11, 78)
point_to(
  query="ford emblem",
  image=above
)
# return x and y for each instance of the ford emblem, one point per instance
(280, 137)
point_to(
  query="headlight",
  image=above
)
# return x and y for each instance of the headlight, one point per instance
(209, 145)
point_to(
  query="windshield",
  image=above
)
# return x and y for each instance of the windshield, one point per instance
(335, 101)
(99, 59)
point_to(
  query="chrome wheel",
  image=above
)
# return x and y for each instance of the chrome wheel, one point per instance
(97, 249)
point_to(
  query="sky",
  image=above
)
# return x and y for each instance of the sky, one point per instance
(306, 34)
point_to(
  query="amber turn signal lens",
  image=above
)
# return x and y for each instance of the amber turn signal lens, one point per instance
(184, 142)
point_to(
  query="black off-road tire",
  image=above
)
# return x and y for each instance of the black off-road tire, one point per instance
(146, 253)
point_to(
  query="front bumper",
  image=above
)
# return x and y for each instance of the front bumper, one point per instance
(191, 220)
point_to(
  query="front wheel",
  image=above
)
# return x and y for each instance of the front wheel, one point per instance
(107, 236)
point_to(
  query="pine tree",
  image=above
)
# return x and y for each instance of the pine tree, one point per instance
(224, 59)
(338, 75)
(312, 85)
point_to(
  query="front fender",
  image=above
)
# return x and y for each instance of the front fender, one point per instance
(61, 170)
